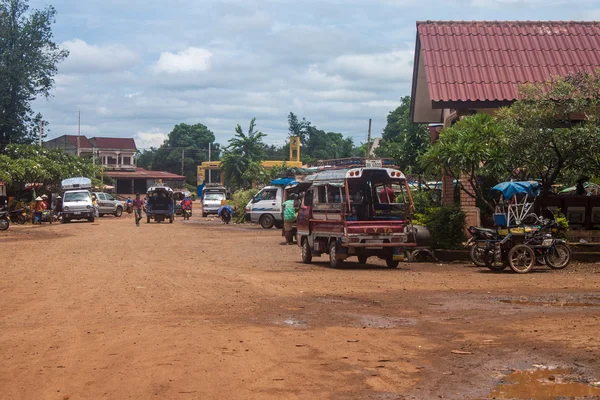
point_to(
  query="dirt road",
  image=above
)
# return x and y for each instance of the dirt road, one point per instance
(196, 310)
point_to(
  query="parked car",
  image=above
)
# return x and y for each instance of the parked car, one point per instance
(107, 204)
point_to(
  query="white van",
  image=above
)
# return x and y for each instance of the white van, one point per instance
(265, 207)
(77, 200)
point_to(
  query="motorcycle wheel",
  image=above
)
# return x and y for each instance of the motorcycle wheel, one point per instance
(559, 257)
(521, 258)
(476, 254)
(4, 224)
(21, 220)
(489, 259)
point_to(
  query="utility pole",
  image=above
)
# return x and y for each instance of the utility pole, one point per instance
(369, 140)
(94, 160)
(41, 131)
(182, 159)
(209, 170)
(78, 132)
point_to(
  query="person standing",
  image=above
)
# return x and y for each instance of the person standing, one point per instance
(38, 210)
(137, 208)
(289, 216)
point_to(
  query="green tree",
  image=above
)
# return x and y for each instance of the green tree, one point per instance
(323, 145)
(298, 128)
(27, 163)
(553, 129)
(241, 160)
(403, 140)
(188, 141)
(28, 63)
(475, 147)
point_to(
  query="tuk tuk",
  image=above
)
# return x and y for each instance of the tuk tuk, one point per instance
(160, 204)
(360, 212)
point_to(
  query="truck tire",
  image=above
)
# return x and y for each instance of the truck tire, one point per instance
(362, 259)
(118, 212)
(91, 219)
(171, 219)
(333, 261)
(391, 263)
(306, 252)
(267, 221)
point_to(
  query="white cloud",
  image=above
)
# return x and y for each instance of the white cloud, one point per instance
(192, 59)
(153, 138)
(391, 65)
(103, 111)
(88, 58)
(132, 95)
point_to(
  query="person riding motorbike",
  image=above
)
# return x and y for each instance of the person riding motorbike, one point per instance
(129, 205)
(186, 207)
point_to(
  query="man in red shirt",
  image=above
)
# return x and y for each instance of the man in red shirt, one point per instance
(137, 208)
(387, 195)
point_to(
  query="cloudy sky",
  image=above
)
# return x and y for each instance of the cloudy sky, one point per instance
(138, 67)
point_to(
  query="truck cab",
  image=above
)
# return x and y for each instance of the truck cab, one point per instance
(356, 212)
(77, 200)
(212, 197)
(265, 207)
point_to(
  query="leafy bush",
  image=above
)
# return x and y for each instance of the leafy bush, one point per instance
(424, 199)
(240, 198)
(563, 223)
(447, 226)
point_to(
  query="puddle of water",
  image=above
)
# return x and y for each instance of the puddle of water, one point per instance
(558, 303)
(376, 321)
(543, 384)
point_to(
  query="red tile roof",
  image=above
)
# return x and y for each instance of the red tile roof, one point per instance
(84, 143)
(141, 173)
(114, 143)
(487, 61)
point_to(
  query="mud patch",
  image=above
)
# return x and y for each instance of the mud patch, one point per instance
(377, 321)
(544, 383)
(590, 301)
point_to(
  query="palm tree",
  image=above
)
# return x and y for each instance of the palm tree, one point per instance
(244, 153)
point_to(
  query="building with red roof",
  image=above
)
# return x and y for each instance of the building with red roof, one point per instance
(478, 65)
(117, 156)
(465, 67)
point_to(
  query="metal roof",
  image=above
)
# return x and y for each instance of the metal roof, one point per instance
(483, 61)
(114, 143)
(141, 173)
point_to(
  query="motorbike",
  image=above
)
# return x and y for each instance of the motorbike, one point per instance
(478, 242)
(4, 220)
(129, 208)
(187, 213)
(19, 216)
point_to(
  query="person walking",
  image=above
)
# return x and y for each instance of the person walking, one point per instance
(38, 210)
(137, 208)
(289, 216)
